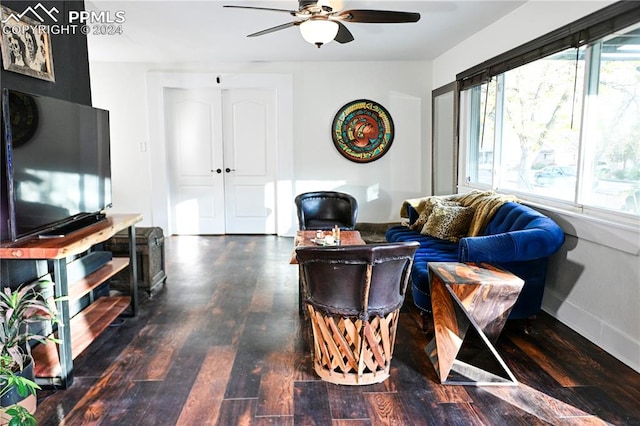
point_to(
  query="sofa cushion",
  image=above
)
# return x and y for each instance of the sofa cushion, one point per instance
(448, 222)
(418, 224)
(425, 207)
(435, 249)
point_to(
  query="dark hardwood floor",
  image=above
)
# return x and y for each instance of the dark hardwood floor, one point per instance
(222, 344)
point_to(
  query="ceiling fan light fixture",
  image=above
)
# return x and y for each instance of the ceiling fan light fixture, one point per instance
(318, 31)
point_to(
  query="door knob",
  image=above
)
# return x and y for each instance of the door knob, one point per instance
(229, 170)
(218, 170)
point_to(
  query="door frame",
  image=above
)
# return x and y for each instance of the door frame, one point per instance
(449, 145)
(157, 81)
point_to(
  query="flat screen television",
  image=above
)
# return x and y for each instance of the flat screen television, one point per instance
(56, 165)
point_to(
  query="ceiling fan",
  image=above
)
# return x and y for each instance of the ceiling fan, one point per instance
(319, 23)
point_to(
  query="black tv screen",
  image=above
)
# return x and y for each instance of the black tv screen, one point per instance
(57, 165)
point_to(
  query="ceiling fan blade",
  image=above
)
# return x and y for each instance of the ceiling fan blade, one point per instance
(377, 16)
(290, 12)
(344, 35)
(273, 29)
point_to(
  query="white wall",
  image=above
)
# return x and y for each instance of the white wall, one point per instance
(121, 89)
(319, 91)
(593, 282)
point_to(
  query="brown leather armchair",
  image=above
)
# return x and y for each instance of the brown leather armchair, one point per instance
(353, 296)
(325, 209)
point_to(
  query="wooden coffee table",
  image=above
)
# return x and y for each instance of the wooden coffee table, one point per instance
(303, 238)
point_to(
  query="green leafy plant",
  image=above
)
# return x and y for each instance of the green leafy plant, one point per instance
(9, 380)
(20, 416)
(15, 414)
(20, 310)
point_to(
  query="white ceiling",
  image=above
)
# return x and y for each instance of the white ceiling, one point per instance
(204, 31)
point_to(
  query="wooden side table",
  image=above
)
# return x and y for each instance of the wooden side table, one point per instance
(471, 304)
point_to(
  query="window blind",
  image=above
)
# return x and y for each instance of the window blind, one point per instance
(583, 31)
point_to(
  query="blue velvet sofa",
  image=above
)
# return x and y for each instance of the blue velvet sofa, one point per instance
(517, 238)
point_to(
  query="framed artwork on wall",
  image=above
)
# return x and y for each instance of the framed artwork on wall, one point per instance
(362, 131)
(26, 46)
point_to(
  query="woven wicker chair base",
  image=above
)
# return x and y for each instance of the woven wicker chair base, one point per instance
(349, 351)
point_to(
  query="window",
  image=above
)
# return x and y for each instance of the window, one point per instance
(564, 127)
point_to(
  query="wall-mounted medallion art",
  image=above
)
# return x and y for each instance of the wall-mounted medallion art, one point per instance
(362, 131)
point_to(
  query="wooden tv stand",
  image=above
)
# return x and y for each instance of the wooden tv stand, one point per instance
(54, 363)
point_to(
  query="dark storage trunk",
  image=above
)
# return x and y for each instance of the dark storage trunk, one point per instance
(149, 258)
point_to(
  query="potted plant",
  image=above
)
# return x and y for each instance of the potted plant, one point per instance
(17, 394)
(22, 312)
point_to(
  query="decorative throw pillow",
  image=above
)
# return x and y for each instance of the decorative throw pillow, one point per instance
(420, 221)
(448, 222)
(426, 207)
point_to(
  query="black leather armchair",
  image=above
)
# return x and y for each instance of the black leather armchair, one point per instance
(353, 295)
(325, 209)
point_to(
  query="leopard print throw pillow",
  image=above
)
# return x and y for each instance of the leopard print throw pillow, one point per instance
(426, 207)
(449, 222)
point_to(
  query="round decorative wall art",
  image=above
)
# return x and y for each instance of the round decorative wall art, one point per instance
(362, 131)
